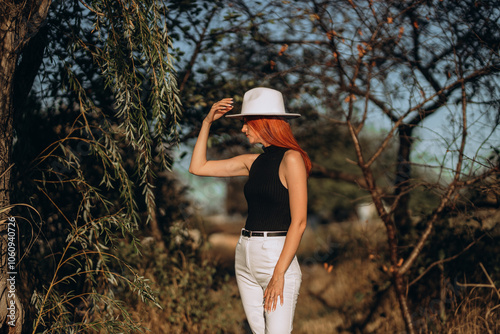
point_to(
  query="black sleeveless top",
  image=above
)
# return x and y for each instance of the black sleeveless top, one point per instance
(267, 198)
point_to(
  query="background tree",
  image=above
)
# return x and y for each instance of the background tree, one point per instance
(406, 64)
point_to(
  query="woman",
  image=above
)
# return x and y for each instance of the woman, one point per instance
(267, 271)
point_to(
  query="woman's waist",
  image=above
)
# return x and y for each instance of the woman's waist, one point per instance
(262, 234)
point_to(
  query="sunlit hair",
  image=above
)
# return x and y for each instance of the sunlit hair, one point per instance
(276, 131)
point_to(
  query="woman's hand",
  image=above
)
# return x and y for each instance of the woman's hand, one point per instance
(273, 291)
(219, 109)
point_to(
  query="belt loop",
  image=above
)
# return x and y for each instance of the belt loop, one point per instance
(265, 236)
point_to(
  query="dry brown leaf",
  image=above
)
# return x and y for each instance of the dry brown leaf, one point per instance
(283, 49)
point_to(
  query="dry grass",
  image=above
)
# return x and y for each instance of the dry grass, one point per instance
(350, 294)
(477, 314)
(476, 311)
(344, 301)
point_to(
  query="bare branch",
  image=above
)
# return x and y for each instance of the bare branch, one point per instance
(197, 49)
(319, 171)
(447, 91)
(451, 258)
(90, 8)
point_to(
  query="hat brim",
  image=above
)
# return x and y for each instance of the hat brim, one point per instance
(287, 115)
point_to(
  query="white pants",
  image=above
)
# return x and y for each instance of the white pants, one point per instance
(255, 260)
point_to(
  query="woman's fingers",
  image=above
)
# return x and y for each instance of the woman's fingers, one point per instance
(221, 107)
(272, 302)
(271, 297)
(223, 104)
(268, 303)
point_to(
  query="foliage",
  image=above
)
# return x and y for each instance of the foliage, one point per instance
(194, 299)
(107, 106)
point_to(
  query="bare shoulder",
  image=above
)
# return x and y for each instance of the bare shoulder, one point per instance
(293, 170)
(293, 164)
(293, 158)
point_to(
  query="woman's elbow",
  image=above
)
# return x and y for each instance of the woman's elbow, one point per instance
(193, 170)
(301, 225)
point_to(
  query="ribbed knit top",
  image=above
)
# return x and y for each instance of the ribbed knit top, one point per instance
(267, 198)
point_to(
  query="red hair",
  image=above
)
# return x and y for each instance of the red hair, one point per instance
(276, 131)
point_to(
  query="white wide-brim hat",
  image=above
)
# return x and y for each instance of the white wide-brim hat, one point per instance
(263, 102)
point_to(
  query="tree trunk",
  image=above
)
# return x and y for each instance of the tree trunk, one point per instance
(402, 216)
(397, 279)
(19, 21)
(402, 181)
(8, 62)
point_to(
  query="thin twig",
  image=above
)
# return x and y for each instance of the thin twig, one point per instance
(91, 9)
(444, 261)
(5, 171)
(490, 280)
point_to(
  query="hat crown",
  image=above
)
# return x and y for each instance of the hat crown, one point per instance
(262, 102)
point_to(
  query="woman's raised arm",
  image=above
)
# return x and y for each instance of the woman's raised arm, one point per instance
(237, 166)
